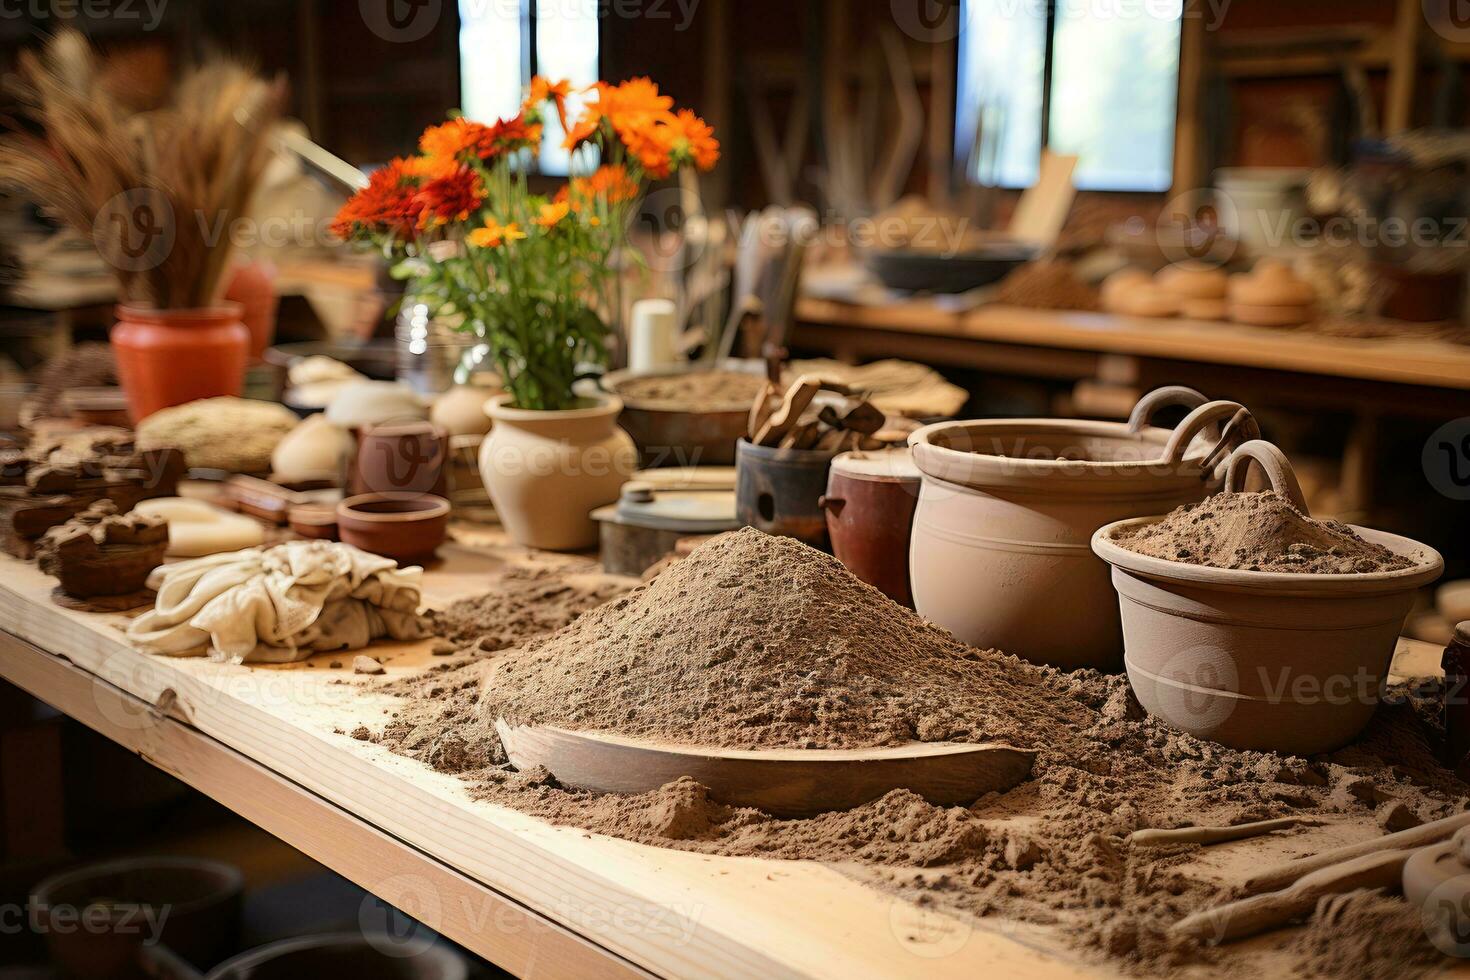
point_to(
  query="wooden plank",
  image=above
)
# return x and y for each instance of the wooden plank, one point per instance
(1408, 361)
(476, 917)
(670, 912)
(1403, 66)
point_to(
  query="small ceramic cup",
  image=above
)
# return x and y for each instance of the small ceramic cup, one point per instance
(407, 529)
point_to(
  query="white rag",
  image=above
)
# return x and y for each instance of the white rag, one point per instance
(278, 605)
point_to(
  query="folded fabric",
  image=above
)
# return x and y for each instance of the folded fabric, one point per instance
(277, 605)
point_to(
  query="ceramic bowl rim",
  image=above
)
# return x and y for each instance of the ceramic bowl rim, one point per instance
(500, 407)
(1429, 564)
(1189, 463)
(438, 507)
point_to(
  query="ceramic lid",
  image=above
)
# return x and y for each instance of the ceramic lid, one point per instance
(690, 511)
(895, 465)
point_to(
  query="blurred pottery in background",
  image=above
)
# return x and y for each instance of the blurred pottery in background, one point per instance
(407, 529)
(460, 411)
(316, 449)
(401, 457)
(169, 357)
(253, 286)
(546, 471)
(870, 503)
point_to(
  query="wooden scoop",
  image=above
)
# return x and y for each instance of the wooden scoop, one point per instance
(782, 782)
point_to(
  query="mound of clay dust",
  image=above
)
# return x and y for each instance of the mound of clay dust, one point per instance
(757, 641)
(693, 391)
(1258, 532)
(794, 642)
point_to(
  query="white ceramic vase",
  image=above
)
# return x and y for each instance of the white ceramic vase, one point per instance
(547, 471)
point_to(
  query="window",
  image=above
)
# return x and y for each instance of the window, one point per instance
(1098, 78)
(502, 43)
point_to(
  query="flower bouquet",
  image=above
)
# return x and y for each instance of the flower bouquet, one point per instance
(528, 274)
(532, 276)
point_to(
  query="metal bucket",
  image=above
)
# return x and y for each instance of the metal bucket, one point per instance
(779, 491)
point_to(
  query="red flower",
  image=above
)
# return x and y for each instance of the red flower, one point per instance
(453, 196)
(388, 205)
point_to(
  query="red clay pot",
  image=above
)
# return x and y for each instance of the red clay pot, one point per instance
(253, 286)
(168, 357)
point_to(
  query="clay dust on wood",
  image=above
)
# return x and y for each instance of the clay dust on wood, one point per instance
(1259, 532)
(815, 650)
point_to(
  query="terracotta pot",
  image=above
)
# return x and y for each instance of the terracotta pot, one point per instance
(870, 503)
(383, 956)
(407, 529)
(401, 457)
(168, 357)
(694, 436)
(1270, 661)
(1008, 507)
(195, 904)
(253, 286)
(779, 491)
(547, 471)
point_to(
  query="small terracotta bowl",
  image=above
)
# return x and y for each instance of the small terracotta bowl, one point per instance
(407, 529)
(317, 521)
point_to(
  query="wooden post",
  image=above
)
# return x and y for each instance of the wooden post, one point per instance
(1403, 65)
(1188, 134)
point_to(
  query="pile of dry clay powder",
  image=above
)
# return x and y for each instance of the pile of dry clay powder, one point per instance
(756, 640)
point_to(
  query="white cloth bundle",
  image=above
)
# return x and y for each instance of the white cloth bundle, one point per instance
(277, 605)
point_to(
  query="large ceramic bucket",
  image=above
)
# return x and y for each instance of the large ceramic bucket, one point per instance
(1001, 551)
(1270, 661)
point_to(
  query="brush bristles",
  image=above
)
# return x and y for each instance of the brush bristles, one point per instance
(200, 158)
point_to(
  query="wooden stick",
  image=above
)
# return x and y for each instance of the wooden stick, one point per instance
(1216, 835)
(1261, 913)
(1283, 875)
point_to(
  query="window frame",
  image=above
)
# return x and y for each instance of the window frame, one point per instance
(960, 154)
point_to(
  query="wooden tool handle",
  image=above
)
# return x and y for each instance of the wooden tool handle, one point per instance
(1285, 874)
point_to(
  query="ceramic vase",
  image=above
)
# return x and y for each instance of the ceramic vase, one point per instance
(169, 357)
(547, 471)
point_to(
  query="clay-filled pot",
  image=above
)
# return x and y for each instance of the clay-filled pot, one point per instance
(192, 903)
(401, 457)
(1270, 661)
(779, 491)
(690, 436)
(370, 956)
(407, 529)
(1001, 554)
(168, 357)
(870, 503)
(548, 471)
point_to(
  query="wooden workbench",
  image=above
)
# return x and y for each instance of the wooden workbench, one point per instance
(544, 901)
(1066, 345)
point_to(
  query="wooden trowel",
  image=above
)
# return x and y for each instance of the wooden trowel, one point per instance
(782, 782)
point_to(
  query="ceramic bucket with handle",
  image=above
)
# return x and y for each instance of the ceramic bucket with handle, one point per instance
(1271, 661)
(1000, 552)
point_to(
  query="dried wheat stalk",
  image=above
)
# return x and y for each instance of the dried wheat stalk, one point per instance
(195, 162)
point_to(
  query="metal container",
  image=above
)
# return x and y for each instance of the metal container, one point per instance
(1002, 536)
(693, 436)
(870, 503)
(779, 491)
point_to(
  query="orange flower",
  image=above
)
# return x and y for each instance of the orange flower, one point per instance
(609, 182)
(508, 135)
(388, 205)
(589, 121)
(451, 197)
(553, 213)
(543, 89)
(652, 147)
(633, 105)
(494, 234)
(691, 139)
(457, 141)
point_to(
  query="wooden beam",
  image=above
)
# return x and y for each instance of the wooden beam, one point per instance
(1189, 160)
(1402, 67)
